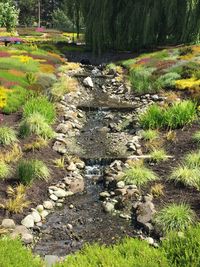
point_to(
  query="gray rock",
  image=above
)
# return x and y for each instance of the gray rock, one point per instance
(121, 184)
(28, 221)
(60, 193)
(150, 240)
(48, 205)
(108, 207)
(19, 231)
(36, 216)
(51, 260)
(71, 167)
(59, 147)
(104, 194)
(88, 82)
(145, 212)
(44, 214)
(53, 197)
(64, 127)
(27, 238)
(8, 224)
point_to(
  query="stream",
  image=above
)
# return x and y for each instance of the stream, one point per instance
(82, 219)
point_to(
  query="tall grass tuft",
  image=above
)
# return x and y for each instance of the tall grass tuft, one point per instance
(7, 136)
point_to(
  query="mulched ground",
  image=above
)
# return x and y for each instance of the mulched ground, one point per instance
(37, 192)
(183, 145)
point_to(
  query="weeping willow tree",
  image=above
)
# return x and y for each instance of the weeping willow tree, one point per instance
(133, 24)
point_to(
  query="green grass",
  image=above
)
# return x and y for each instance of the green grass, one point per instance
(168, 80)
(150, 135)
(182, 250)
(128, 253)
(158, 155)
(5, 170)
(196, 137)
(7, 136)
(192, 160)
(139, 175)
(173, 117)
(13, 78)
(14, 63)
(36, 124)
(13, 254)
(40, 105)
(30, 170)
(174, 217)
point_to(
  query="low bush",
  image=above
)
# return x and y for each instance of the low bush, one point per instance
(29, 170)
(36, 124)
(40, 105)
(4, 170)
(139, 175)
(182, 249)
(13, 254)
(168, 80)
(142, 80)
(157, 190)
(196, 137)
(187, 176)
(130, 252)
(7, 136)
(176, 116)
(174, 217)
(192, 160)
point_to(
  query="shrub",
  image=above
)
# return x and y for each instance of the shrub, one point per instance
(36, 124)
(174, 217)
(7, 136)
(31, 77)
(12, 253)
(4, 170)
(130, 252)
(142, 80)
(158, 155)
(139, 175)
(40, 105)
(182, 250)
(157, 190)
(187, 176)
(29, 170)
(178, 115)
(150, 135)
(168, 80)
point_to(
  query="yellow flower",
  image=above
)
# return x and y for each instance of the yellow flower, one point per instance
(3, 96)
(187, 83)
(23, 59)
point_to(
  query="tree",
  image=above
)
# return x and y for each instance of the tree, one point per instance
(135, 24)
(8, 16)
(28, 10)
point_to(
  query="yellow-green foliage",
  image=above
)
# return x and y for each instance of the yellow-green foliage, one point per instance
(65, 85)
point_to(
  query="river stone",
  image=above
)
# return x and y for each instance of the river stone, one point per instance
(150, 240)
(145, 212)
(71, 167)
(28, 221)
(121, 184)
(8, 224)
(40, 208)
(48, 205)
(64, 127)
(75, 184)
(80, 165)
(44, 214)
(104, 194)
(27, 238)
(51, 260)
(36, 216)
(60, 193)
(59, 147)
(53, 197)
(20, 230)
(88, 82)
(108, 207)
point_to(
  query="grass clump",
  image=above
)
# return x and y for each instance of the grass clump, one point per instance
(139, 175)
(13, 253)
(192, 160)
(30, 170)
(36, 124)
(196, 137)
(168, 80)
(7, 136)
(42, 106)
(158, 155)
(150, 135)
(175, 217)
(65, 85)
(182, 250)
(173, 117)
(187, 176)
(17, 199)
(4, 170)
(129, 252)
(157, 190)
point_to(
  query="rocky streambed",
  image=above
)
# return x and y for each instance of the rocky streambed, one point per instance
(98, 130)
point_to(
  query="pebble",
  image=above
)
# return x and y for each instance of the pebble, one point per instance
(36, 216)
(27, 238)
(53, 197)
(8, 224)
(28, 221)
(48, 205)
